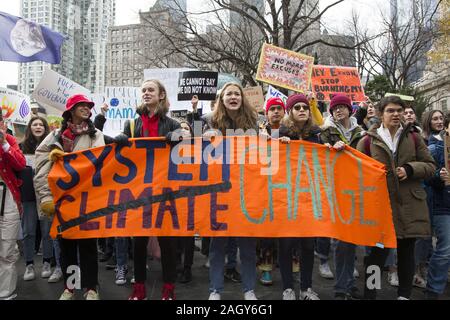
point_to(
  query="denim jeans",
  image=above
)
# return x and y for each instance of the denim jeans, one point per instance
(247, 251)
(440, 260)
(29, 224)
(391, 259)
(121, 246)
(423, 250)
(231, 252)
(323, 249)
(57, 252)
(344, 260)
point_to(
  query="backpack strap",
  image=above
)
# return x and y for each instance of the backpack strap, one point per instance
(367, 142)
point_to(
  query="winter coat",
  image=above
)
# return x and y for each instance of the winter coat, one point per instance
(331, 134)
(313, 134)
(44, 164)
(207, 123)
(11, 162)
(438, 193)
(407, 197)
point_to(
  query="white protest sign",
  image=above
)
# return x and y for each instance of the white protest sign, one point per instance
(54, 89)
(122, 102)
(15, 106)
(169, 78)
(274, 93)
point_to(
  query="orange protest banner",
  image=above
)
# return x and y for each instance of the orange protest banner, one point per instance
(328, 80)
(263, 189)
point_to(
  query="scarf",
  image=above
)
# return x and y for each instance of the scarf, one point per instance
(72, 131)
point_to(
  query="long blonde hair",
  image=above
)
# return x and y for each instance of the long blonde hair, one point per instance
(294, 128)
(163, 106)
(247, 115)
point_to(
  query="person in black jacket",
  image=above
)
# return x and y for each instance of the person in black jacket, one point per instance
(298, 126)
(37, 129)
(154, 122)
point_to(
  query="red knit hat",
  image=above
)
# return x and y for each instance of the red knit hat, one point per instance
(294, 99)
(340, 99)
(274, 102)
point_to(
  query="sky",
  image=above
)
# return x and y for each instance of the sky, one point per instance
(127, 13)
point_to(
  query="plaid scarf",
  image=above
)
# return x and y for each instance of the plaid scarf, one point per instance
(72, 131)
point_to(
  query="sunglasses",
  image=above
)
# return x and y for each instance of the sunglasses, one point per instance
(298, 107)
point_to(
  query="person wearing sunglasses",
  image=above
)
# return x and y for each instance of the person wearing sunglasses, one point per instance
(298, 125)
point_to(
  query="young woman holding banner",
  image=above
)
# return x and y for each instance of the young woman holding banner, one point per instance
(77, 133)
(232, 112)
(298, 126)
(153, 122)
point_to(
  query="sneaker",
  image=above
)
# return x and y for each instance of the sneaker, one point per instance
(10, 297)
(289, 294)
(56, 275)
(92, 295)
(46, 270)
(308, 295)
(139, 292)
(393, 278)
(419, 282)
(29, 273)
(355, 273)
(168, 291)
(402, 298)
(121, 275)
(266, 278)
(67, 295)
(325, 271)
(111, 264)
(250, 295)
(214, 296)
(341, 296)
(186, 276)
(232, 275)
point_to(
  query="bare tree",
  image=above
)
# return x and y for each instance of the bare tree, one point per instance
(397, 49)
(236, 30)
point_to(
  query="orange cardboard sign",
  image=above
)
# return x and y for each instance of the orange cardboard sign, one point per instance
(262, 189)
(327, 81)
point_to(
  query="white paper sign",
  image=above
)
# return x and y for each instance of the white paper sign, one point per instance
(274, 93)
(54, 89)
(15, 106)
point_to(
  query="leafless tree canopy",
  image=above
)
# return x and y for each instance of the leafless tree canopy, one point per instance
(400, 44)
(228, 34)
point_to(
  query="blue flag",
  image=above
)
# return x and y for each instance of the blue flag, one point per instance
(25, 41)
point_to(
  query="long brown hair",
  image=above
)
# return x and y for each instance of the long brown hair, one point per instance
(426, 123)
(163, 106)
(30, 142)
(247, 115)
(294, 127)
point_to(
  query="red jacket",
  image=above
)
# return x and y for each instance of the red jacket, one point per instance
(10, 162)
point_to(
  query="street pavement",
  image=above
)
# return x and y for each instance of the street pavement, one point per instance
(40, 289)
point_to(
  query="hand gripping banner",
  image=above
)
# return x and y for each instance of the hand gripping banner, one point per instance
(236, 186)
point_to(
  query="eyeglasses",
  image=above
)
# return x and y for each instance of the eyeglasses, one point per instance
(302, 106)
(279, 108)
(392, 111)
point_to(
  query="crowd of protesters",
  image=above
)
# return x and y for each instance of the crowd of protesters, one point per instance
(388, 131)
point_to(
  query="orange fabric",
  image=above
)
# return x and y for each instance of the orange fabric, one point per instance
(313, 191)
(327, 81)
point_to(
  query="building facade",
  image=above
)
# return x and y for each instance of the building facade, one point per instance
(85, 24)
